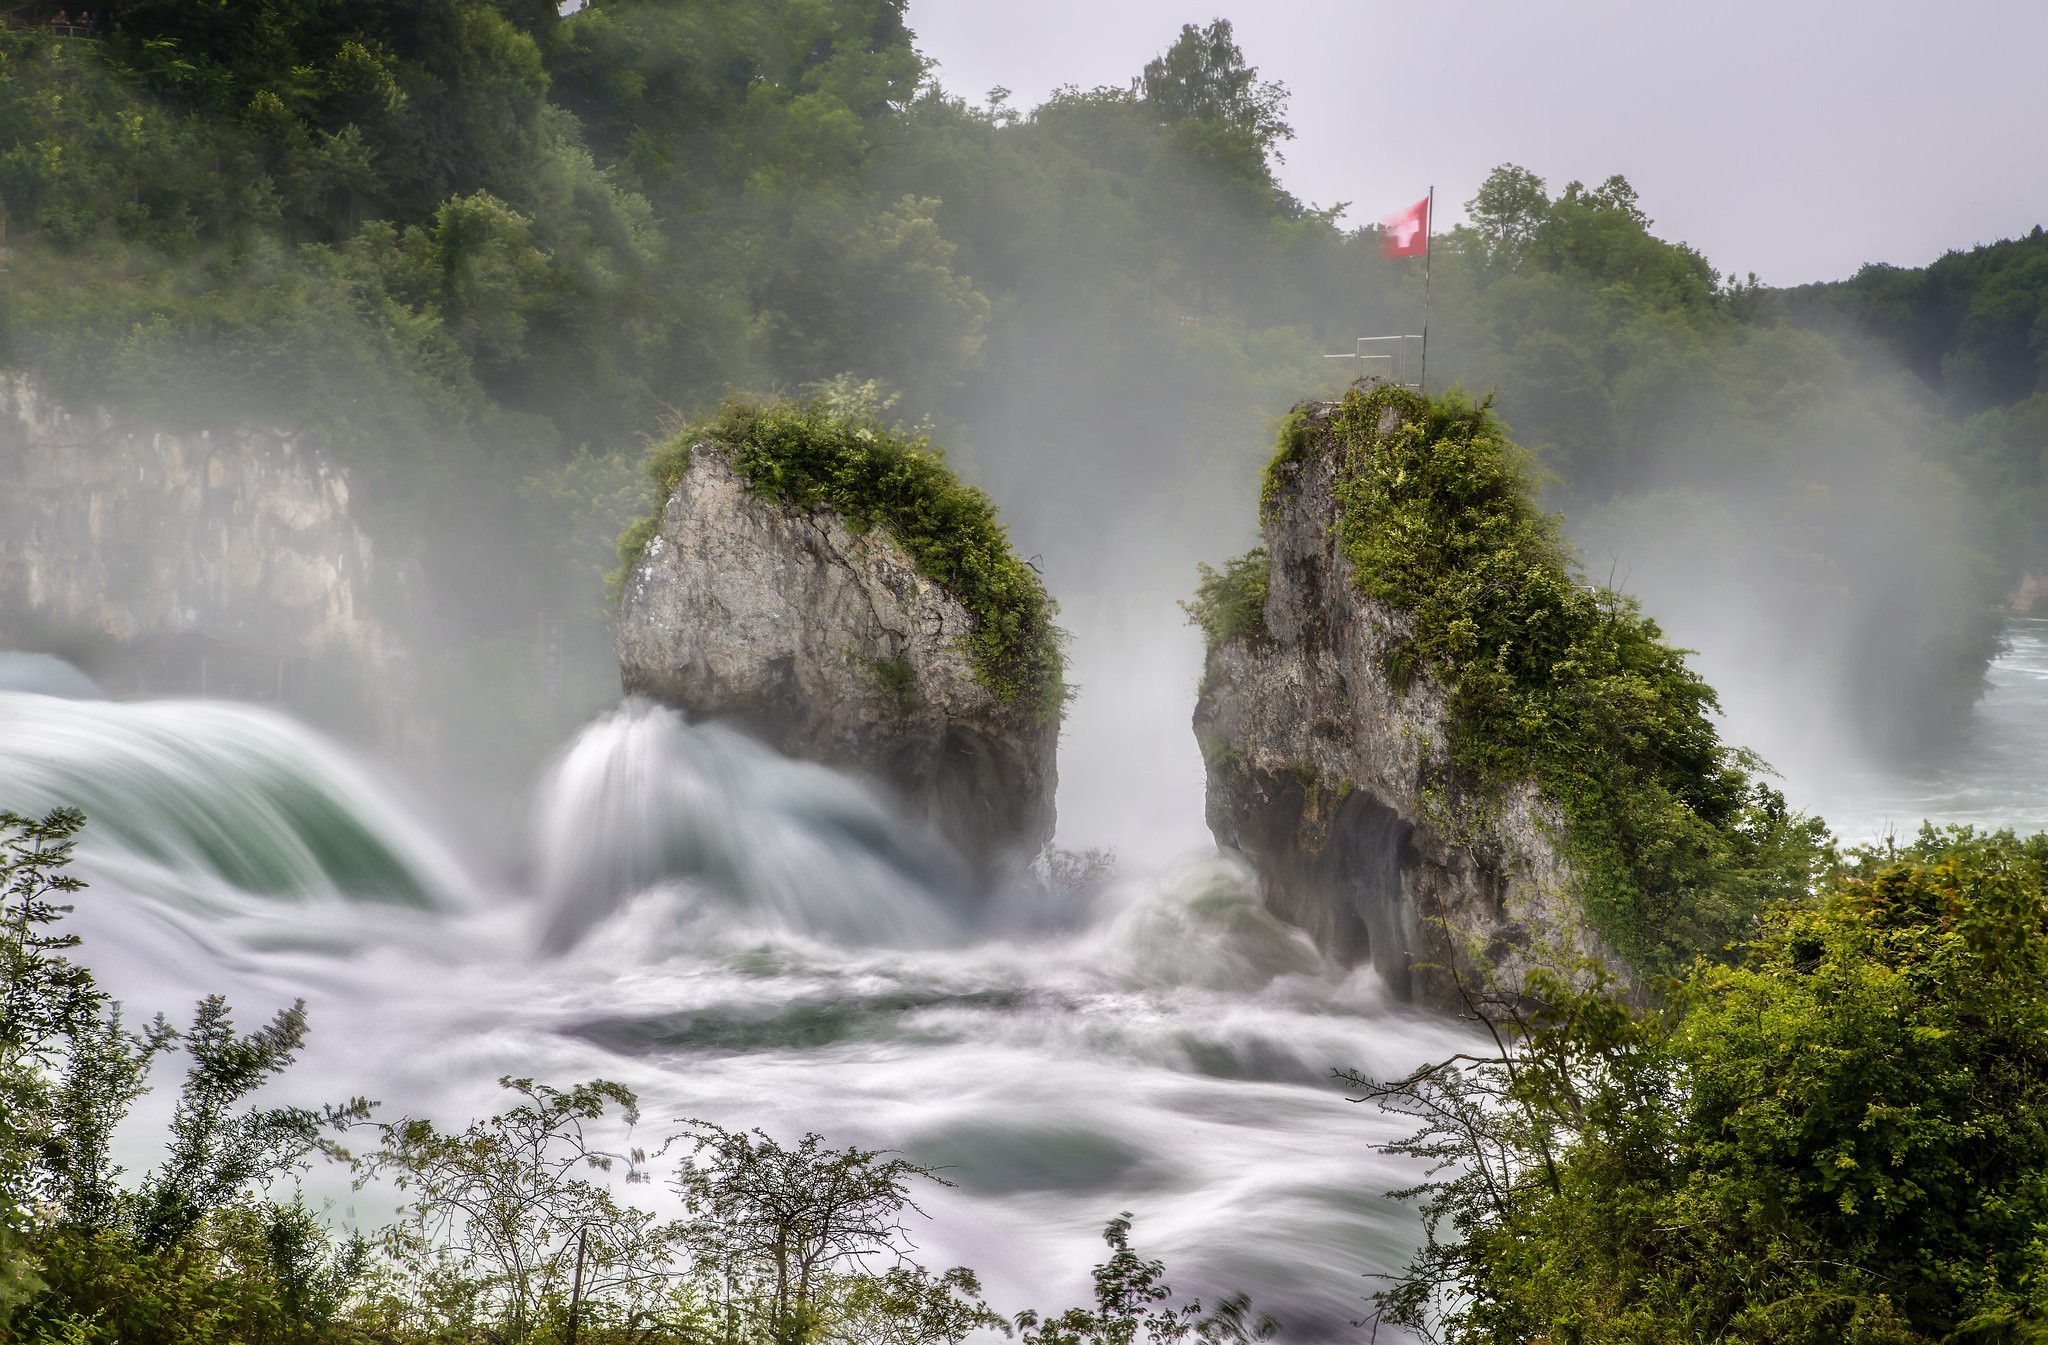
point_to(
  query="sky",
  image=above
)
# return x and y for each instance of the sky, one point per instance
(1797, 139)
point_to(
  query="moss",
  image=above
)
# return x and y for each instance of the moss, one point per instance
(1674, 840)
(1292, 445)
(1221, 755)
(633, 544)
(894, 676)
(813, 456)
(1230, 603)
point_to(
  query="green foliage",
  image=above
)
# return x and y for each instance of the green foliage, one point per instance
(455, 241)
(1203, 76)
(1837, 1138)
(907, 1305)
(502, 1225)
(1972, 328)
(43, 996)
(895, 676)
(1674, 845)
(781, 1233)
(214, 1155)
(1134, 1303)
(1230, 603)
(253, 1271)
(814, 456)
(82, 1255)
(1970, 325)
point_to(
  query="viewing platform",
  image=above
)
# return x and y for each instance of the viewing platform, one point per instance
(86, 23)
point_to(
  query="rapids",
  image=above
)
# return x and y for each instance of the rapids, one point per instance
(762, 942)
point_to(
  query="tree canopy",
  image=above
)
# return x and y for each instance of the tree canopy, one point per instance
(480, 249)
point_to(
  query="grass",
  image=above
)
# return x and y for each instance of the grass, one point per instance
(814, 455)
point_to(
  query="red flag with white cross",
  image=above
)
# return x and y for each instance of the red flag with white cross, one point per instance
(1406, 234)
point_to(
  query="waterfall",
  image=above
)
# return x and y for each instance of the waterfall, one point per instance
(642, 799)
(212, 804)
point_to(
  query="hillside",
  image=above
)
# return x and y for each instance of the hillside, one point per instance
(462, 242)
(1972, 329)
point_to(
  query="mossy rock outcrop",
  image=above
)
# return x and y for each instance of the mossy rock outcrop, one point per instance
(830, 586)
(1444, 752)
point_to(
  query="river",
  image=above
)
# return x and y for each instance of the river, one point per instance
(758, 942)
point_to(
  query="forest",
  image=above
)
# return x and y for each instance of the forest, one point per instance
(492, 257)
(485, 252)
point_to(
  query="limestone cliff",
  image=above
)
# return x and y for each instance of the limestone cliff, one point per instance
(1336, 784)
(222, 562)
(831, 645)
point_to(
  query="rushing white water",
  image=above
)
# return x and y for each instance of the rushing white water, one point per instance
(762, 942)
(642, 797)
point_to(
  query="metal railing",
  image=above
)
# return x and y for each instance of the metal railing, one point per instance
(1394, 366)
(20, 20)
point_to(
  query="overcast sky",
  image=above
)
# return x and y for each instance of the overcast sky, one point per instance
(1793, 138)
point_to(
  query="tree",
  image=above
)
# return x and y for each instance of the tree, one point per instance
(1133, 1302)
(777, 1228)
(43, 994)
(1204, 76)
(1508, 209)
(216, 1154)
(77, 1246)
(503, 1224)
(43, 997)
(908, 1305)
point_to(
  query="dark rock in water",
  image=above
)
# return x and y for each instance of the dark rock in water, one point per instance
(1333, 782)
(832, 647)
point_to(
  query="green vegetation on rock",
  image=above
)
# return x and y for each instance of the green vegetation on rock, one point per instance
(823, 453)
(1674, 842)
(1837, 1138)
(1230, 603)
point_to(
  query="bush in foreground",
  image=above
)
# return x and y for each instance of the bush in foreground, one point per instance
(1843, 1137)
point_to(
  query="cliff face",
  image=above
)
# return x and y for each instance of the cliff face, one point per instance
(1334, 782)
(220, 563)
(832, 647)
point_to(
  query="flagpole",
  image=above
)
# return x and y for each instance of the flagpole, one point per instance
(1428, 256)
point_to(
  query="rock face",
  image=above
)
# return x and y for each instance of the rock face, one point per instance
(1334, 784)
(831, 647)
(219, 563)
(2029, 596)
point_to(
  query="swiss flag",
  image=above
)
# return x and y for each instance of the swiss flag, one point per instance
(1406, 234)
